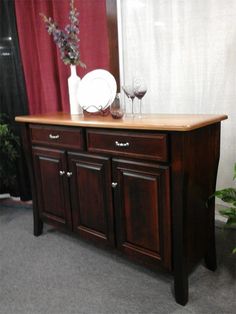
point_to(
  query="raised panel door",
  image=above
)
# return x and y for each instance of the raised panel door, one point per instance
(52, 186)
(90, 186)
(142, 208)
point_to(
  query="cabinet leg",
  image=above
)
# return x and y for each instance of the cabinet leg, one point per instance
(181, 287)
(210, 256)
(38, 229)
(38, 226)
(210, 260)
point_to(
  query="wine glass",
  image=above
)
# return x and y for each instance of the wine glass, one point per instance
(129, 92)
(140, 89)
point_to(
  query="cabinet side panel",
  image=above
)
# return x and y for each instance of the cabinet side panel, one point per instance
(202, 150)
(195, 174)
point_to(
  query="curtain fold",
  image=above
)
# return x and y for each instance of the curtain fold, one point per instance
(45, 74)
(13, 99)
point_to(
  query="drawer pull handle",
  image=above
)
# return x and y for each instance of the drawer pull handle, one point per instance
(54, 137)
(69, 174)
(61, 172)
(114, 184)
(118, 144)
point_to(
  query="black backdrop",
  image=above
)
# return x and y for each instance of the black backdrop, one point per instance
(13, 99)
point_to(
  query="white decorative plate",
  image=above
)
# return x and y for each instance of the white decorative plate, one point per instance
(97, 90)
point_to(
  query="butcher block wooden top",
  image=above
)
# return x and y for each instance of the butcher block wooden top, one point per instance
(165, 122)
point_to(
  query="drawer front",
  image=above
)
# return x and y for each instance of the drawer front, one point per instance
(56, 136)
(152, 146)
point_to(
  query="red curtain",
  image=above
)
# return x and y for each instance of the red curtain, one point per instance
(45, 73)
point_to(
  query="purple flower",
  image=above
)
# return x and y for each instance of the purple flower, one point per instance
(67, 40)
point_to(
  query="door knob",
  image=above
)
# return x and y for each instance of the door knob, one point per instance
(114, 184)
(61, 172)
(69, 174)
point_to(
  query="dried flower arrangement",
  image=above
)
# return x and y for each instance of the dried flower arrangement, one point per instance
(67, 40)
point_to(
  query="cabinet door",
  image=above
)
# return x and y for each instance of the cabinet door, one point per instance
(52, 186)
(142, 209)
(90, 186)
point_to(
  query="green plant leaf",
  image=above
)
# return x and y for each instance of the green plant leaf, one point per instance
(228, 212)
(226, 195)
(9, 145)
(234, 172)
(231, 222)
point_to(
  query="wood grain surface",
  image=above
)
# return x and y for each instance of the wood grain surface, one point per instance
(167, 122)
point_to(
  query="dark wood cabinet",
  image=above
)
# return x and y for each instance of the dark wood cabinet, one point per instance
(90, 186)
(138, 185)
(68, 185)
(142, 207)
(51, 186)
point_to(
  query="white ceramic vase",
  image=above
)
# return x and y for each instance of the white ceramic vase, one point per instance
(73, 86)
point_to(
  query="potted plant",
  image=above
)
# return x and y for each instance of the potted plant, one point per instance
(9, 144)
(228, 196)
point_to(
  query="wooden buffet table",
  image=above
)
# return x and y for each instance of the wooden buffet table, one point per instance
(140, 185)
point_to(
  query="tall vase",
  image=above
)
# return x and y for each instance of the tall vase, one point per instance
(73, 86)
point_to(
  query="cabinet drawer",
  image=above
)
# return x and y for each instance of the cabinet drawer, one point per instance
(152, 146)
(67, 137)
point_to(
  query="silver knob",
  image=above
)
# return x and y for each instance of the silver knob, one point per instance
(54, 137)
(61, 172)
(118, 144)
(69, 174)
(114, 184)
